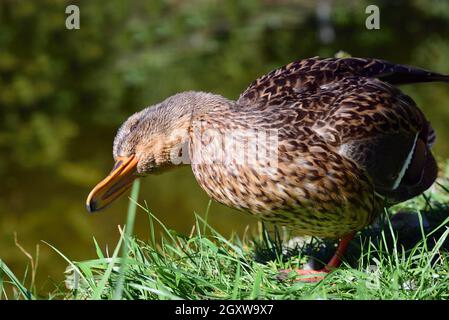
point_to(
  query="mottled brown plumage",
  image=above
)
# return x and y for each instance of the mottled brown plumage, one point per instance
(347, 143)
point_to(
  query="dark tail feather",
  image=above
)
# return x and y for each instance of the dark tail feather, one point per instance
(413, 76)
(393, 73)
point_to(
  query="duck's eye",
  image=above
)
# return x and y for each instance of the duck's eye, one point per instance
(134, 126)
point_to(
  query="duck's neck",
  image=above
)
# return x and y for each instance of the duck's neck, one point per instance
(176, 116)
(186, 104)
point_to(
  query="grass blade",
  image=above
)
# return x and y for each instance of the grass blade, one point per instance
(25, 293)
(132, 207)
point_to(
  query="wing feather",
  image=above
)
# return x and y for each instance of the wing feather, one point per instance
(308, 74)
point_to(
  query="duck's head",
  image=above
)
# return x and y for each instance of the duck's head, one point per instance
(148, 142)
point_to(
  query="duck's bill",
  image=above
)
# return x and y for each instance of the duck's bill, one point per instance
(114, 185)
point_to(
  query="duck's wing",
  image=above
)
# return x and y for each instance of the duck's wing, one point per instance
(381, 129)
(308, 74)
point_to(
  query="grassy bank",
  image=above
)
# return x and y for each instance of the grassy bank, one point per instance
(403, 256)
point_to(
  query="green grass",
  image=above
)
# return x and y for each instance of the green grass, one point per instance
(386, 261)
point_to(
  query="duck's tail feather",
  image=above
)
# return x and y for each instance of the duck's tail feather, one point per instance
(397, 73)
(413, 75)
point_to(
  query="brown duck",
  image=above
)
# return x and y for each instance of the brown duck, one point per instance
(319, 145)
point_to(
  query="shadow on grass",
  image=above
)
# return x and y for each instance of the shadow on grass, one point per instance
(401, 231)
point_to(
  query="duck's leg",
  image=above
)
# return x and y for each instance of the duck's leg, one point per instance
(334, 262)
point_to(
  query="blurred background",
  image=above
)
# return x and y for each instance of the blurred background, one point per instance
(63, 94)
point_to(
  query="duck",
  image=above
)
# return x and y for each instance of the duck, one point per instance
(320, 146)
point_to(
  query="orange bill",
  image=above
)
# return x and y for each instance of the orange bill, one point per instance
(114, 185)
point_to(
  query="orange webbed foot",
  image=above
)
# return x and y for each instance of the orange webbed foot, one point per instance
(318, 275)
